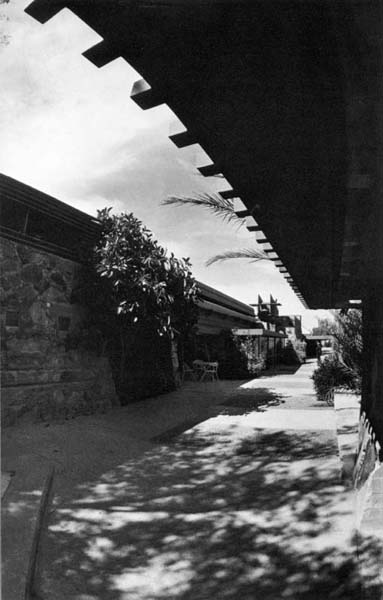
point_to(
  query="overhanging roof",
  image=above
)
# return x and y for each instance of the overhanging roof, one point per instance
(210, 294)
(219, 311)
(280, 95)
(29, 216)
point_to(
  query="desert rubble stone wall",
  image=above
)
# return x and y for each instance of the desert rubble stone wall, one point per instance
(41, 377)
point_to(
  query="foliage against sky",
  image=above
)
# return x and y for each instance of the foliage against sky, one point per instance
(138, 280)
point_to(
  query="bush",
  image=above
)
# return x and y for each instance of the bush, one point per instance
(255, 363)
(333, 373)
(289, 355)
(345, 368)
(300, 349)
(227, 350)
(139, 300)
(348, 340)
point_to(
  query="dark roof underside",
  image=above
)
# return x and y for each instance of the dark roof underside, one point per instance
(261, 87)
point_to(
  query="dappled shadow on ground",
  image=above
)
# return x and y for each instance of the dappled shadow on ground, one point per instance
(226, 513)
(246, 400)
(172, 434)
(280, 370)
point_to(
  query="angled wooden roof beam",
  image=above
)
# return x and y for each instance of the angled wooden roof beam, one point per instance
(228, 194)
(101, 54)
(183, 139)
(144, 96)
(42, 11)
(210, 170)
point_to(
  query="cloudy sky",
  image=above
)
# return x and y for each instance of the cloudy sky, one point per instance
(71, 130)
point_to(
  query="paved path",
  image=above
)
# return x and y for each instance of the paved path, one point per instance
(246, 505)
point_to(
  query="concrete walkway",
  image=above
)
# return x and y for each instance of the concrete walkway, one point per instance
(223, 490)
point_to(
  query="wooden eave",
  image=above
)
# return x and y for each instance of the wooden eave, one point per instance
(271, 91)
(19, 199)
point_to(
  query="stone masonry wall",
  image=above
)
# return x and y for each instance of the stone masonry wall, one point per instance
(41, 379)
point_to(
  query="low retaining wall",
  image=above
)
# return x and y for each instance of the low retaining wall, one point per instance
(362, 469)
(347, 410)
(41, 377)
(368, 480)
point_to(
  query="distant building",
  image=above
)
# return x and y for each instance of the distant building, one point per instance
(294, 327)
(218, 311)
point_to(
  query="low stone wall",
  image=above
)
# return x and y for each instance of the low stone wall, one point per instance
(41, 378)
(347, 410)
(368, 480)
(361, 469)
(369, 525)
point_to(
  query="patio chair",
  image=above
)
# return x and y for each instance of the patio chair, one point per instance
(210, 369)
(198, 368)
(188, 372)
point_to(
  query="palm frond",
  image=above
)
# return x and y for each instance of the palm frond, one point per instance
(248, 253)
(222, 207)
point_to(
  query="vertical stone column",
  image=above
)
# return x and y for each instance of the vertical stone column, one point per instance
(372, 393)
(372, 396)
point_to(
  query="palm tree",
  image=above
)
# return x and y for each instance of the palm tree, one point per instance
(250, 253)
(224, 208)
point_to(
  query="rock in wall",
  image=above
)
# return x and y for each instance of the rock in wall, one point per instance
(41, 378)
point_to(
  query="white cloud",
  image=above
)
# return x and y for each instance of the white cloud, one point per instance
(60, 116)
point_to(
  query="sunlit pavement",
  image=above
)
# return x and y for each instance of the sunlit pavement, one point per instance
(247, 504)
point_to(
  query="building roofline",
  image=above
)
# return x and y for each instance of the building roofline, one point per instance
(35, 199)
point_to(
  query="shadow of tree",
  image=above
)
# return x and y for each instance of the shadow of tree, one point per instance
(280, 370)
(246, 400)
(221, 513)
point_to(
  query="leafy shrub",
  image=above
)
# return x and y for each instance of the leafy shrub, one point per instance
(289, 355)
(300, 349)
(137, 278)
(139, 299)
(344, 369)
(333, 373)
(225, 348)
(234, 363)
(348, 340)
(255, 364)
